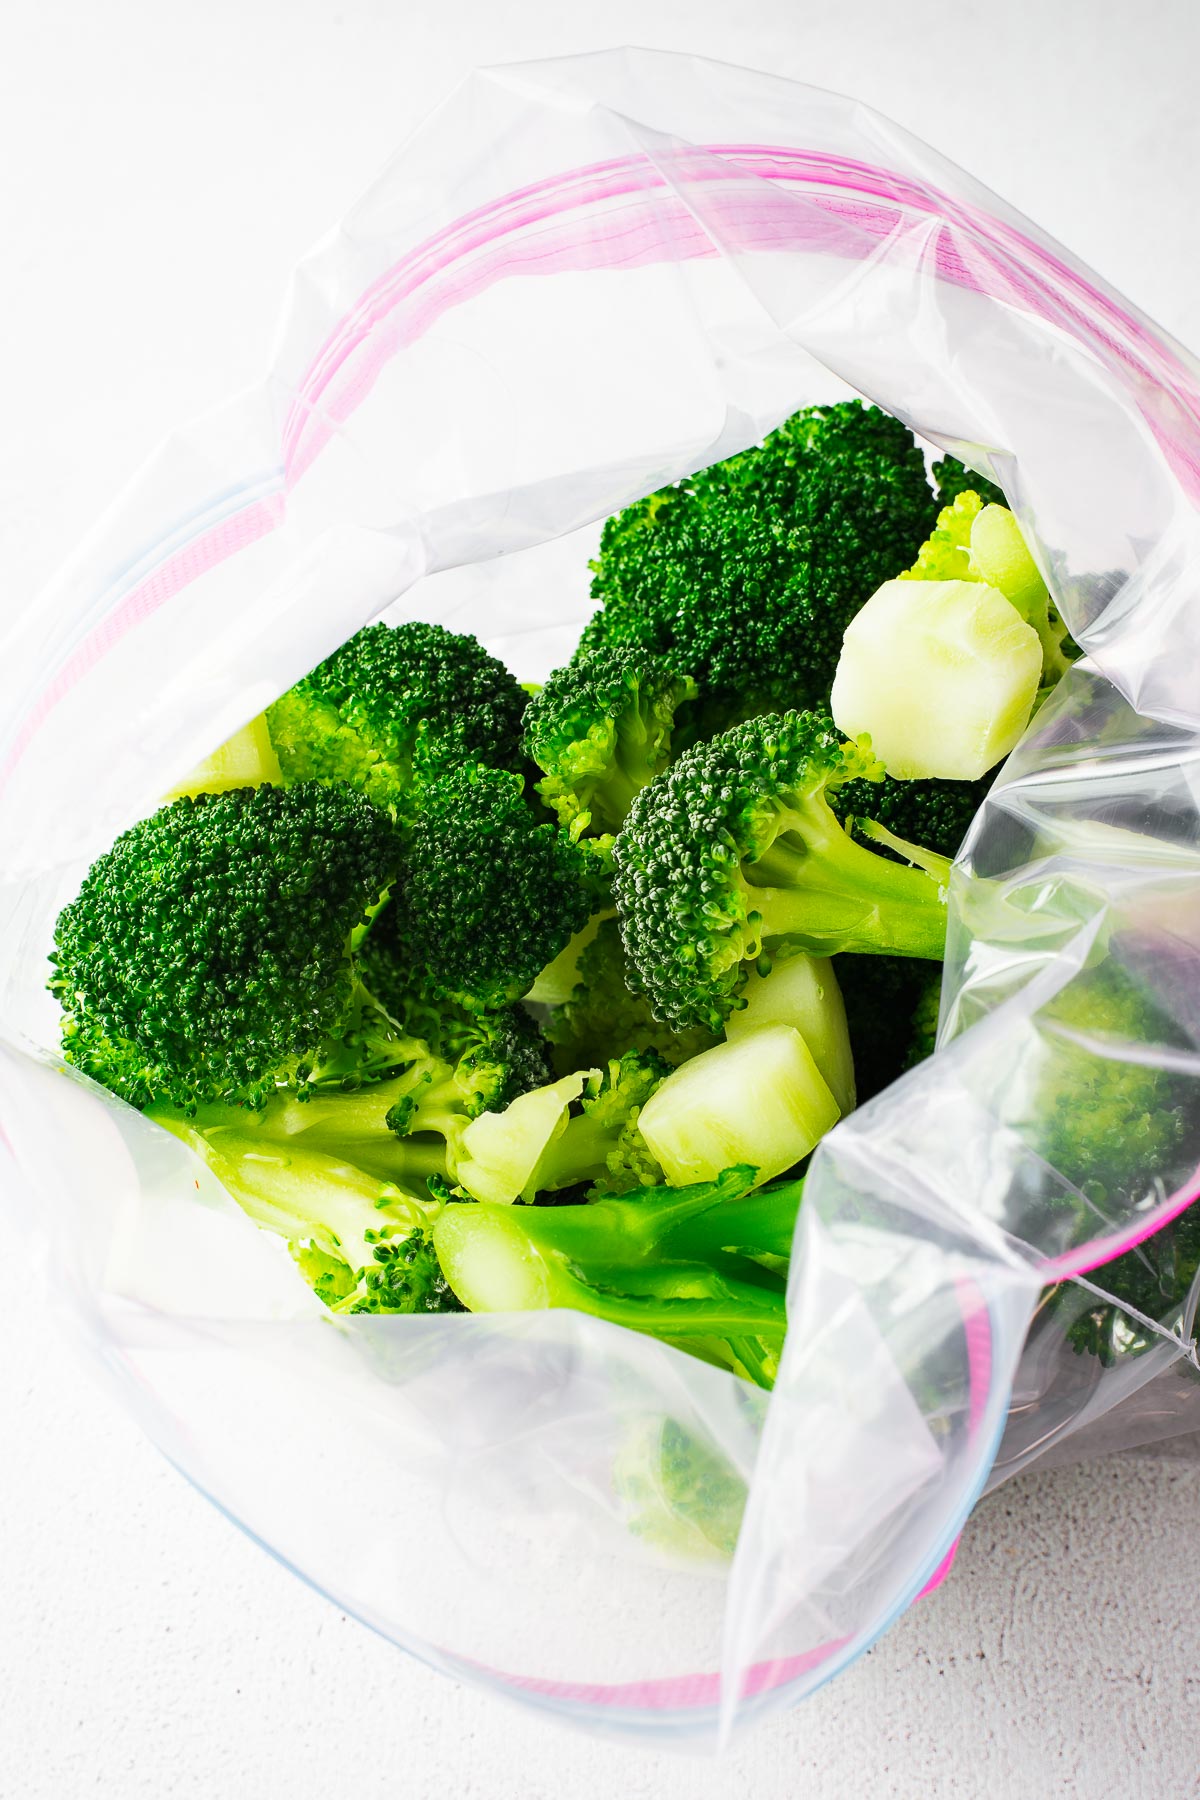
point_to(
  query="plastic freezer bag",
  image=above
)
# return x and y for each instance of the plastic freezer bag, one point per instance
(577, 281)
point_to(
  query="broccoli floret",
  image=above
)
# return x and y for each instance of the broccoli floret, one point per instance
(607, 1013)
(1088, 1102)
(406, 1278)
(748, 573)
(734, 851)
(923, 1025)
(208, 954)
(576, 1131)
(678, 1492)
(952, 478)
(1155, 1278)
(427, 1104)
(1093, 1100)
(758, 1101)
(396, 706)
(600, 729)
(486, 894)
(685, 1264)
(503, 1055)
(346, 1177)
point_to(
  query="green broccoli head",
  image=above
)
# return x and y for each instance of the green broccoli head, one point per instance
(1090, 1103)
(748, 573)
(608, 1013)
(599, 730)
(1154, 1279)
(208, 954)
(486, 894)
(397, 706)
(734, 851)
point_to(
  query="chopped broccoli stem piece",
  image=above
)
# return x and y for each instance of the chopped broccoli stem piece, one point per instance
(801, 991)
(758, 1100)
(964, 648)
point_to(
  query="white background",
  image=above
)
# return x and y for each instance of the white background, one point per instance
(161, 167)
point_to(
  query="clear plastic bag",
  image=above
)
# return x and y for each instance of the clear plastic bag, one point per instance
(577, 281)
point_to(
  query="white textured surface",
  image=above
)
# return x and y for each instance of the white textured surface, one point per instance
(160, 170)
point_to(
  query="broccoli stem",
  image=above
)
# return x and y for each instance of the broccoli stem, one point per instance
(825, 893)
(658, 1261)
(305, 1194)
(741, 1307)
(762, 1223)
(580, 1153)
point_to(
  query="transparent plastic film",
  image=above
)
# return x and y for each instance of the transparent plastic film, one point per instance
(576, 282)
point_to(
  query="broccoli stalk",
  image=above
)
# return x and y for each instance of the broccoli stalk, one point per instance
(677, 1263)
(361, 1242)
(734, 853)
(802, 991)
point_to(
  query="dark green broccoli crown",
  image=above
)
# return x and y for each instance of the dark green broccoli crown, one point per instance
(406, 1278)
(1103, 1117)
(608, 1013)
(953, 478)
(936, 814)
(207, 956)
(395, 706)
(487, 894)
(689, 918)
(1154, 1279)
(600, 729)
(884, 996)
(748, 573)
